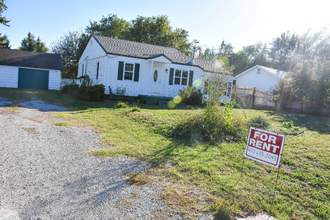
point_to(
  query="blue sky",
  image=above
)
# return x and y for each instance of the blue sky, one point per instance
(241, 22)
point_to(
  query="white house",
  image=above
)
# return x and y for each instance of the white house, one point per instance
(30, 70)
(260, 77)
(142, 69)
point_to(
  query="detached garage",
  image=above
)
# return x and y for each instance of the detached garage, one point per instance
(30, 70)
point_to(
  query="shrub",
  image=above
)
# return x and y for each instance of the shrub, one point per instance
(70, 89)
(259, 122)
(135, 109)
(191, 96)
(287, 124)
(96, 93)
(121, 105)
(213, 124)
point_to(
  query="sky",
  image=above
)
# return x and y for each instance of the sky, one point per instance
(239, 22)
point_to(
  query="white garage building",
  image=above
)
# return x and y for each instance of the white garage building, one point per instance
(261, 77)
(30, 70)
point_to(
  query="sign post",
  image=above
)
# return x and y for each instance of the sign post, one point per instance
(264, 146)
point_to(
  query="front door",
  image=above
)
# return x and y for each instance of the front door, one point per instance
(156, 84)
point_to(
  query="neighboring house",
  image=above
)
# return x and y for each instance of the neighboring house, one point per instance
(30, 70)
(261, 77)
(141, 69)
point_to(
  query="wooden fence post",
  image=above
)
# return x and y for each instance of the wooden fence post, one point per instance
(253, 96)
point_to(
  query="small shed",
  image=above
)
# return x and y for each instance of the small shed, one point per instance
(30, 70)
(261, 77)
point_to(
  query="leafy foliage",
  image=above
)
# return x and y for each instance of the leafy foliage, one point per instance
(70, 46)
(215, 124)
(191, 95)
(151, 30)
(259, 122)
(4, 42)
(3, 19)
(121, 105)
(86, 91)
(29, 43)
(110, 26)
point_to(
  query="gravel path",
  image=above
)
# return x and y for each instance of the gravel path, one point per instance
(46, 173)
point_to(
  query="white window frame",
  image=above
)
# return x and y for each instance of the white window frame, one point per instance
(181, 77)
(124, 70)
(187, 78)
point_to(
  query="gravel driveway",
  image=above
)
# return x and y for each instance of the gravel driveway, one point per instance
(46, 173)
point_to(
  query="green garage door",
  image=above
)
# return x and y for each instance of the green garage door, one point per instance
(33, 79)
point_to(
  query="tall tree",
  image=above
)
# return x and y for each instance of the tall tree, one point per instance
(4, 42)
(225, 49)
(110, 26)
(283, 50)
(40, 46)
(3, 19)
(70, 46)
(29, 43)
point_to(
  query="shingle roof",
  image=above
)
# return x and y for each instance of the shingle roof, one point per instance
(148, 51)
(279, 73)
(30, 59)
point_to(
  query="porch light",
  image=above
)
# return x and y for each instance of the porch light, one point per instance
(166, 71)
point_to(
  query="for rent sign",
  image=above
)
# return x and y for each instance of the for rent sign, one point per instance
(265, 147)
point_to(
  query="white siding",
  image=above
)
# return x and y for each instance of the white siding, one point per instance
(108, 72)
(262, 81)
(92, 53)
(54, 80)
(8, 76)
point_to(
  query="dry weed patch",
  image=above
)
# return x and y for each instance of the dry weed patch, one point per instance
(125, 203)
(32, 131)
(138, 179)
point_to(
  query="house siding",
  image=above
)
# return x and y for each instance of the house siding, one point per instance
(9, 77)
(54, 80)
(108, 72)
(263, 81)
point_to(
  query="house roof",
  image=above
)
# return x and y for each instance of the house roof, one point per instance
(278, 73)
(24, 58)
(149, 51)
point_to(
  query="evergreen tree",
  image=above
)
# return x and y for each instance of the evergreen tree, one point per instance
(4, 42)
(30, 44)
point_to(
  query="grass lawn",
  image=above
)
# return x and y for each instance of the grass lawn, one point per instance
(303, 188)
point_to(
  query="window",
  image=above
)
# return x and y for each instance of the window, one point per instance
(128, 71)
(181, 77)
(82, 72)
(97, 70)
(177, 78)
(228, 89)
(155, 76)
(184, 78)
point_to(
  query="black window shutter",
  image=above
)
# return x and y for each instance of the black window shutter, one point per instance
(136, 72)
(120, 70)
(191, 77)
(171, 76)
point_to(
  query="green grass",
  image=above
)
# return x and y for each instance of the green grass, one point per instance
(303, 187)
(62, 123)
